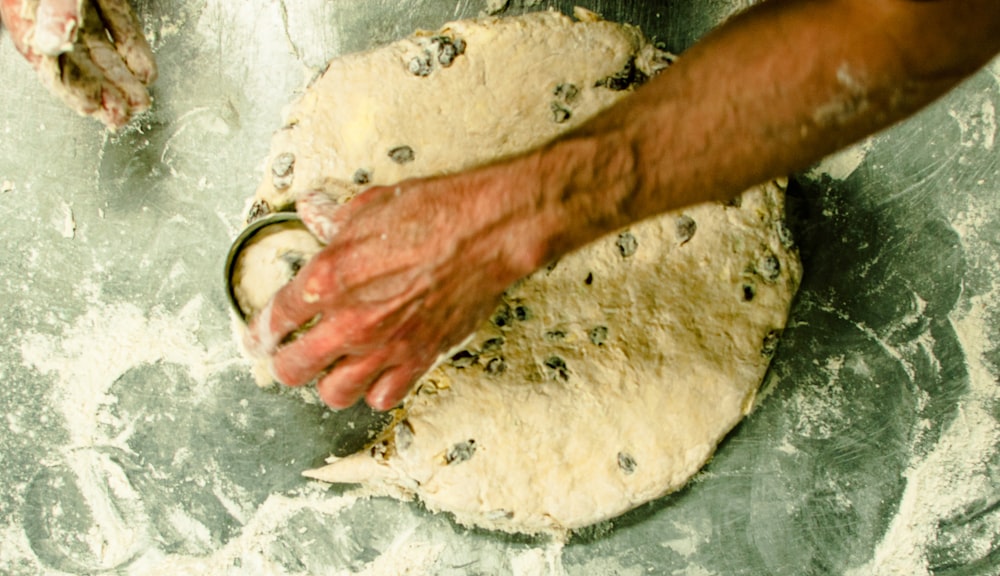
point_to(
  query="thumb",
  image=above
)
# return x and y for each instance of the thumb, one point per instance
(319, 208)
(56, 26)
(20, 25)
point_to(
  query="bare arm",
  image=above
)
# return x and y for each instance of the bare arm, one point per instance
(769, 93)
(406, 276)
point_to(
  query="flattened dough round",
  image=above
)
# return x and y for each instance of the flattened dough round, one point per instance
(603, 381)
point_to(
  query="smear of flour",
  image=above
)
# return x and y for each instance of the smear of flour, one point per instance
(107, 341)
(848, 103)
(86, 360)
(955, 474)
(842, 164)
(247, 554)
(538, 562)
(819, 415)
(411, 552)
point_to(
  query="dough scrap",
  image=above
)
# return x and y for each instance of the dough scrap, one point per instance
(603, 381)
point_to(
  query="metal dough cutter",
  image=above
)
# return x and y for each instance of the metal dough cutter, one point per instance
(356, 427)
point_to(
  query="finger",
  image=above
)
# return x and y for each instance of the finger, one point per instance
(126, 32)
(297, 303)
(320, 207)
(56, 25)
(116, 73)
(317, 210)
(20, 28)
(319, 347)
(391, 387)
(348, 380)
(264, 334)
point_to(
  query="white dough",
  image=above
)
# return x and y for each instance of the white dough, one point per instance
(268, 261)
(602, 382)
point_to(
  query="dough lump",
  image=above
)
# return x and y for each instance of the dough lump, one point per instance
(602, 381)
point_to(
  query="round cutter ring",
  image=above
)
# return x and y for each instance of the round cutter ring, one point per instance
(240, 243)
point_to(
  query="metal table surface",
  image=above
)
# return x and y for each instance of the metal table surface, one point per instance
(134, 441)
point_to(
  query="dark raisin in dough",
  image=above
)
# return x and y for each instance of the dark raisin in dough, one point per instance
(685, 227)
(627, 244)
(460, 452)
(402, 154)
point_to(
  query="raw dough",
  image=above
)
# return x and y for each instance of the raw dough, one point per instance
(442, 101)
(268, 261)
(603, 381)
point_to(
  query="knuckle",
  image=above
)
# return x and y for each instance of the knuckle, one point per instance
(321, 273)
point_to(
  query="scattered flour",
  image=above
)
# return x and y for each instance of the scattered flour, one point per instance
(110, 339)
(955, 474)
(107, 341)
(86, 360)
(693, 570)
(690, 540)
(538, 562)
(64, 221)
(977, 121)
(819, 405)
(16, 547)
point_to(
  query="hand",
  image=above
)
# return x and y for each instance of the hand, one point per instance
(89, 53)
(406, 275)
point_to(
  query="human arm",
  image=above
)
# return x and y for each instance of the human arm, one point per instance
(90, 53)
(405, 276)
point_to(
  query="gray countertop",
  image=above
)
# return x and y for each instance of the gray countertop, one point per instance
(134, 440)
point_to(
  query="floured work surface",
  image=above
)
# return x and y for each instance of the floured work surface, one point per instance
(873, 449)
(602, 381)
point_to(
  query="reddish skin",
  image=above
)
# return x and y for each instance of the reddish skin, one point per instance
(98, 77)
(769, 93)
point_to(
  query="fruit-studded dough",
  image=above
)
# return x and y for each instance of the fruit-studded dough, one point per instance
(601, 382)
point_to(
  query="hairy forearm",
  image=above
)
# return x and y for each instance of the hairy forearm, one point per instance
(768, 93)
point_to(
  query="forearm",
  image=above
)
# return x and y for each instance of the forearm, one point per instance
(767, 94)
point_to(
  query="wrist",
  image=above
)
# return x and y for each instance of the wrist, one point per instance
(504, 222)
(522, 213)
(590, 187)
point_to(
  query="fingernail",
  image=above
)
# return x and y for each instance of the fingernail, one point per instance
(380, 404)
(382, 399)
